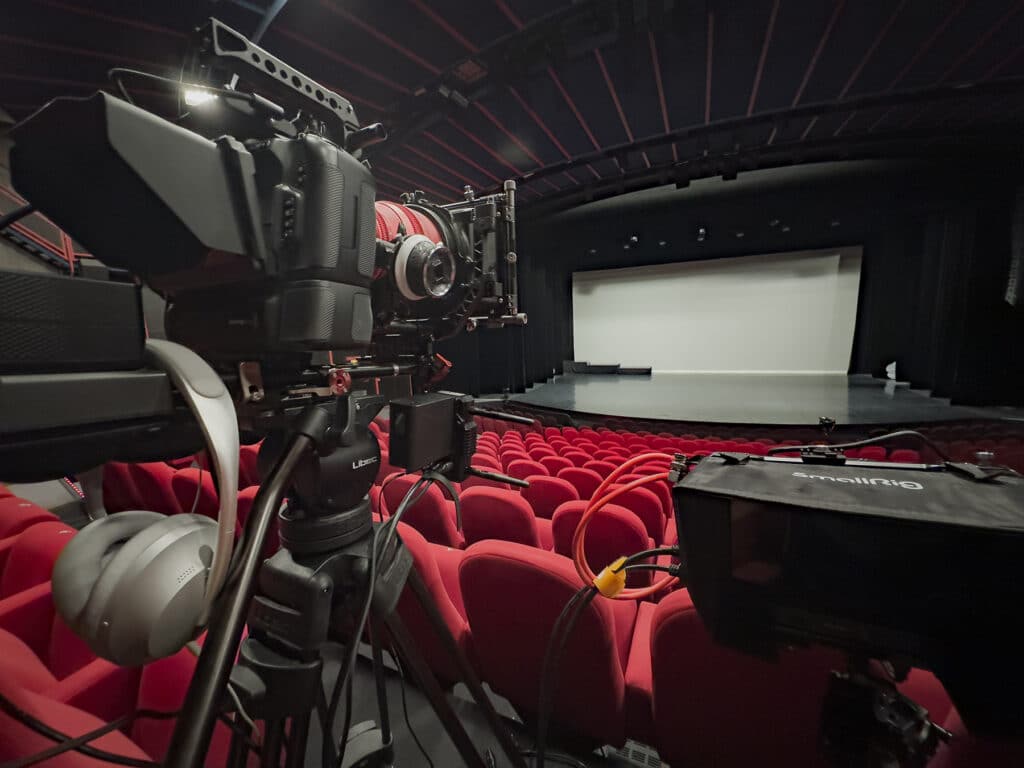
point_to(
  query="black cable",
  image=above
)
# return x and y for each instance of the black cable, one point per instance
(405, 708)
(552, 656)
(345, 726)
(239, 729)
(860, 443)
(17, 214)
(644, 554)
(66, 743)
(345, 674)
(327, 754)
(652, 567)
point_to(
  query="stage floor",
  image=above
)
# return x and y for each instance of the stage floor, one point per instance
(745, 399)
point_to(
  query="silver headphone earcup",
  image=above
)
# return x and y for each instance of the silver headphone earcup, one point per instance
(148, 600)
(81, 562)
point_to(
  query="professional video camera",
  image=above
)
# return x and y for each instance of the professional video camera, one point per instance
(912, 565)
(258, 223)
(256, 220)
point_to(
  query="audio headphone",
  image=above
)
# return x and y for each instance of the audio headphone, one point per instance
(138, 585)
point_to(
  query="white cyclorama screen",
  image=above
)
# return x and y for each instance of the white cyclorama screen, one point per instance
(773, 313)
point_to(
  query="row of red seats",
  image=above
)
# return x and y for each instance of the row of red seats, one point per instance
(644, 671)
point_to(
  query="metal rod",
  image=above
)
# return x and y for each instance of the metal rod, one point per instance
(299, 733)
(469, 676)
(424, 678)
(194, 727)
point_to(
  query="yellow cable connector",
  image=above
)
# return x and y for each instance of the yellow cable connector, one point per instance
(612, 579)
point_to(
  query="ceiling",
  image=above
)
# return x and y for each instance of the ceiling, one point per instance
(582, 100)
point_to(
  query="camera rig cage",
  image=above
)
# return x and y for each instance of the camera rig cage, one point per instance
(272, 254)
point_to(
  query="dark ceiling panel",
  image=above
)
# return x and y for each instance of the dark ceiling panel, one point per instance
(554, 82)
(738, 34)
(798, 31)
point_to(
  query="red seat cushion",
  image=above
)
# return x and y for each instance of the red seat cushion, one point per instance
(546, 494)
(32, 555)
(186, 482)
(704, 695)
(433, 515)
(16, 740)
(491, 513)
(513, 595)
(20, 666)
(17, 514)
(153, 483)
(612, 532)
(119, 492)
(585, 481)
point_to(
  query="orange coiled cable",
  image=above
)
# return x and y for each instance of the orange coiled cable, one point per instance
(596, 502)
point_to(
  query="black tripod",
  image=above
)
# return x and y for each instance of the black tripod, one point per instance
(332, 556)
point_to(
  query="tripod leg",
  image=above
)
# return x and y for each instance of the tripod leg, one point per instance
(469, 676)
(270, 755)
(297, 742)
(378, 675)
(413, 661)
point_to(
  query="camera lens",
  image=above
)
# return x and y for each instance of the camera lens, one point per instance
(439, 272)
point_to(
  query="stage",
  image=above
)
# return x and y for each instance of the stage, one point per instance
(746, 399)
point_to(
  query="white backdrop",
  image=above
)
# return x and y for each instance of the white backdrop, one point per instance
(774, 313)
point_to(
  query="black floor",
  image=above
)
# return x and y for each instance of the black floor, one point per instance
(427, 727)
(746, 399)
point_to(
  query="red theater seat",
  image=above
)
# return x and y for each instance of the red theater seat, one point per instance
(426, 638)
(153, 483)
(483, 482)
(248, 468)
(555, 464)
(513, 595)
(119, 492)
(539, 452)
(647, 507)
(186, 483)
(613, 531)
(19, 741)
(523, 469)
(433, 515)
(546, 494)
(508, 455)
(661, 489)
(17, 515)
(905, 456)
(704, 696)
(490, 513)
(577, 457)
(484, 461)
(585, 481)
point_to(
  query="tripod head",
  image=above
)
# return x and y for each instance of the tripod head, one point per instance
(328, 507)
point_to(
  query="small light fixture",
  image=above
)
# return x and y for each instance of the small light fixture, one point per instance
(195, 97)
(740, 234)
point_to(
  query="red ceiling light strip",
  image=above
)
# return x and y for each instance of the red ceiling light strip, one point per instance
(871, 51)
(432, 160)
(548, 132)
(615, 100)
(843, 124)
(12, 40)
(380, 36)
(769, 31)
(807, 130)
(484, 146)
(444, 184)
(1010, 13)
(817, 51)
(509, 14)
(452, 32)
(515, 139)
(119, 20)
(572, 106)
(999, 65)
(707, 67)
(344, 61)
(925, 46)
(410, 184)
(656, 66)
(468, 161)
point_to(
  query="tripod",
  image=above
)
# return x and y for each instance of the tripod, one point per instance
(333, 559)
